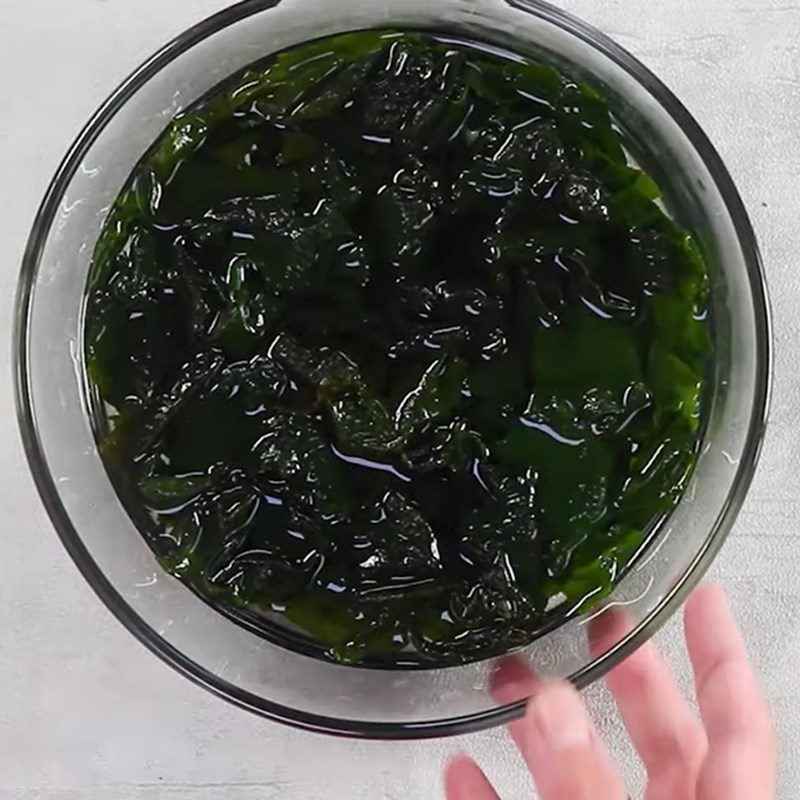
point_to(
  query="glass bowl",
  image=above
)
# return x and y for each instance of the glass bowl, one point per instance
(167, 617)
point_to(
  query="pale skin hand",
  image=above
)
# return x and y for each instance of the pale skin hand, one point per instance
(730, 755)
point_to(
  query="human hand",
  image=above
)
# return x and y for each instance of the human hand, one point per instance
(731, 756)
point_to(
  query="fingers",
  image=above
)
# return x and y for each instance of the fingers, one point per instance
(669, 739)
(741, 755)
(464, 780)
(559, 744)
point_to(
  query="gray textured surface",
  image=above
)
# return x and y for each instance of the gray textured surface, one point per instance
(86, 713)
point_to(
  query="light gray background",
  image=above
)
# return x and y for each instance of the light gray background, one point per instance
(85, 712)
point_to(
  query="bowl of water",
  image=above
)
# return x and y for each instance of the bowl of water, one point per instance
(359, 346)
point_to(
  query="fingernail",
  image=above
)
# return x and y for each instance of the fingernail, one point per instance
(560, 719)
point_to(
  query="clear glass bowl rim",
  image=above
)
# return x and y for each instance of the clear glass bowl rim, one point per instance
(347, 728)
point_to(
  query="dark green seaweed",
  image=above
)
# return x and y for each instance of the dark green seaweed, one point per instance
(390, 344)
